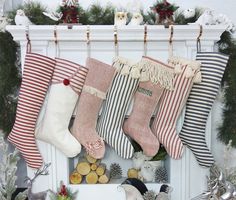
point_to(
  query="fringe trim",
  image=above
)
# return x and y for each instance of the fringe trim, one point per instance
(183, 62)
(94, 91)
(126, 67)
(157, 73)
(192, 67)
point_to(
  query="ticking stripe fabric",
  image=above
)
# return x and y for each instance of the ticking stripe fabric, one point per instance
(199, 104)
(171, 104)
(37, 74)
(69, 73)
(110, 123)
(53, 122)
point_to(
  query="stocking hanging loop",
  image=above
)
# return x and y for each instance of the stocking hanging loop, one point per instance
(145, 41)
(88, 41)
(56, 41)
(28, 45)
(171, 40)
(198, 39)
(116, 41)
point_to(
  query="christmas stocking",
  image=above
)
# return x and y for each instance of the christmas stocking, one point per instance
(112, 117)
(94, 92)
(171, 104)
(154, 78)
(37, 74)
(67, 83)
(199, 105)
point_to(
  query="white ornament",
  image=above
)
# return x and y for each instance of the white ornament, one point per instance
(207, 18)
(147, 172)
(120, 18)
(222, 19)
(188, 13)
(136, 19)
(138, 159)
(54, 16)
(21, 18)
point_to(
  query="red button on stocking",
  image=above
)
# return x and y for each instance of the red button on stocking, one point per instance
(66, 81)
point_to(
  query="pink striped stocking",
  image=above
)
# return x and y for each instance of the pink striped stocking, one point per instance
(171, 104)
(37, 74)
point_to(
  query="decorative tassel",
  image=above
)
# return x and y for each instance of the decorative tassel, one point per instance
(178, 69)
(125, 70)
(194, 64)
(189, 72)
(198, 78)
(144, 76)
(135, 72)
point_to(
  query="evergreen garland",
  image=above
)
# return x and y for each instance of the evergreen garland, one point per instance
(34, 11)
(8, 167)
(227, 131)
(98, 15)
(180, 19)
(10, 80)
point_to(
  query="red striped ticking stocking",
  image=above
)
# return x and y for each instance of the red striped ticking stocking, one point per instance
(172, 103)
(36, 77)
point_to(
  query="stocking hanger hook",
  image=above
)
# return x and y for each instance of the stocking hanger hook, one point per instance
(171, 40)
(88, 41)
(145, 40)
(198, 38)
(28, 45)
(116, 41)
(56, 40)
(55, 35)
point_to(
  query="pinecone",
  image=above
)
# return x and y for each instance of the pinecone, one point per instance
(149, 195)
(115, 171)
(161, 175)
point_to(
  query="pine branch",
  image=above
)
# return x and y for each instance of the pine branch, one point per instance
(7, 171)
(22, 195)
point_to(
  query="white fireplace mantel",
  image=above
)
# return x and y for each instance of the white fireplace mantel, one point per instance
(106, 33)
(186, 177)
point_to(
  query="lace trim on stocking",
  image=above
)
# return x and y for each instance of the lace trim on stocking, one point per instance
(127, 67)
(94, 91)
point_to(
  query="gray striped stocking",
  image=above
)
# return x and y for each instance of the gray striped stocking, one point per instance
(199, 104)
(117, 101)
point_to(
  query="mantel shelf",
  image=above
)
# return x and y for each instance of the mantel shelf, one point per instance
(106, 33)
